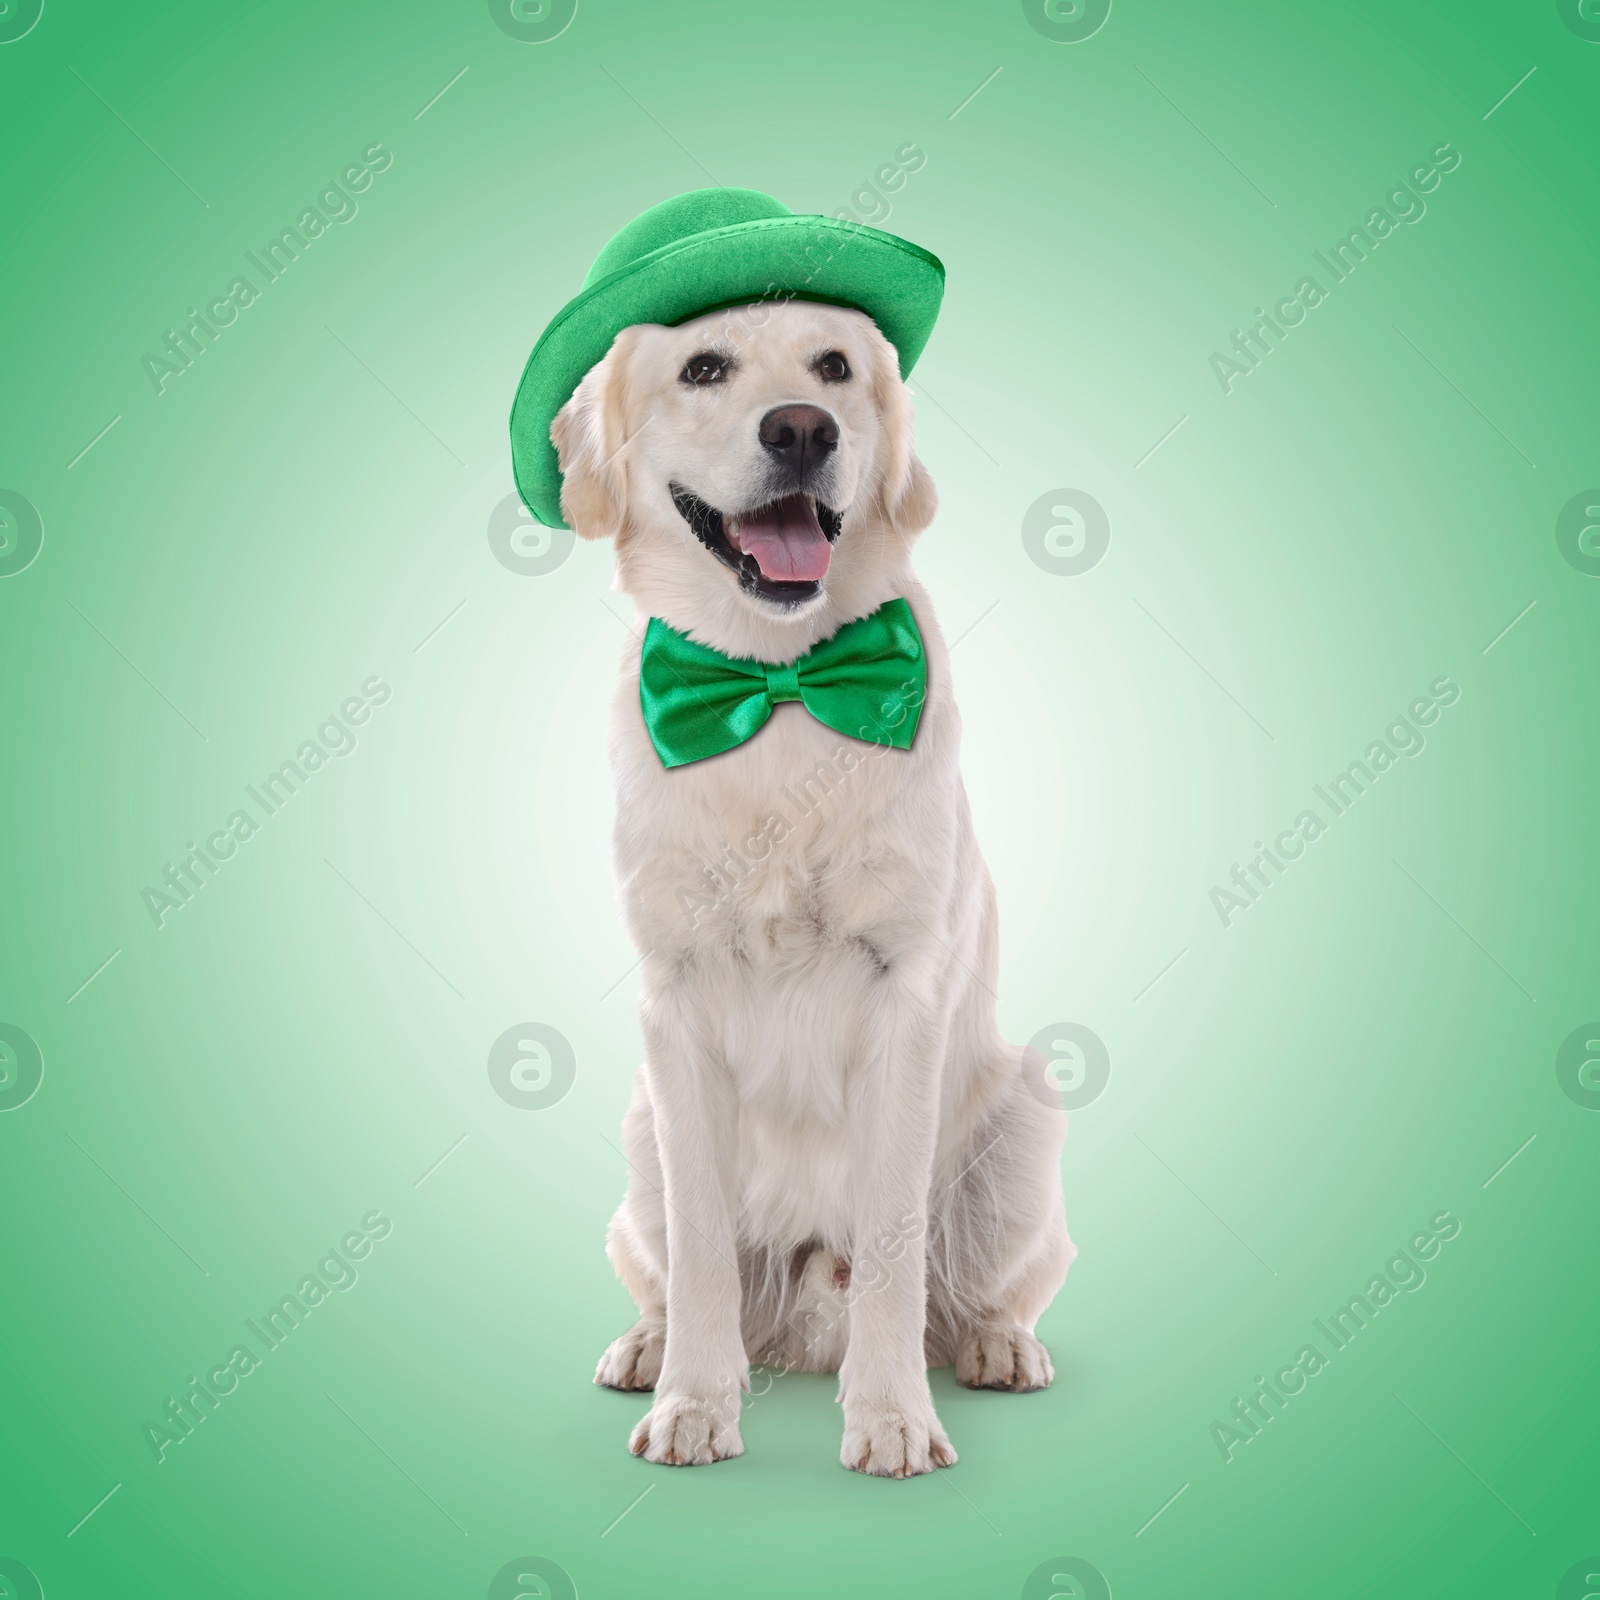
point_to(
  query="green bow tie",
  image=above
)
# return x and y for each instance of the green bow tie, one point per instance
(868, 681)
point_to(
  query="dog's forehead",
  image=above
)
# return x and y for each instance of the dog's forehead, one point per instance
(773, 328)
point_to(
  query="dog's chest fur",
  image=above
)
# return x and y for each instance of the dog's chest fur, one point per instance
(788, 890)
(779, 858)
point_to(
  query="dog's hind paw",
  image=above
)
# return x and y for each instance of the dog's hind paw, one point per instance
(634, 1360)
(890, 1441)
(688, 1431)
(1003, 1355)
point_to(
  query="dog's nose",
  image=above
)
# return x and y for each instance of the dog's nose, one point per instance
(799, 436)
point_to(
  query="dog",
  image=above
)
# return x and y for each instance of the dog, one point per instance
(837, 1163)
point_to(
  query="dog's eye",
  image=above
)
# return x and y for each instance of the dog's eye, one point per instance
(832, 368)
(705, 368)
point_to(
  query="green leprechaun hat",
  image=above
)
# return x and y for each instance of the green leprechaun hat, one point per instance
(697, 253)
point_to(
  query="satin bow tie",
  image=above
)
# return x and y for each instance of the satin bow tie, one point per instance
(868, 682)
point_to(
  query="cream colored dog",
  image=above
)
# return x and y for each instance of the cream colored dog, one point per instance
(837, 1163)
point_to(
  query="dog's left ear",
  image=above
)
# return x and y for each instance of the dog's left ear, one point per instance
(906, 493)
(589, 433)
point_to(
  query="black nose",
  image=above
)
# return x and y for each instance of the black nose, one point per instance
(799, 436)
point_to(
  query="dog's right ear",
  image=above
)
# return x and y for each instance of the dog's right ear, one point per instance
(589, 433)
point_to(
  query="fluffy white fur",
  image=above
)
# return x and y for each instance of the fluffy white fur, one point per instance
(836, 1162)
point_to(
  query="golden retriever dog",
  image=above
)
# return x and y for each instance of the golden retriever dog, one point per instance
(837, 1162)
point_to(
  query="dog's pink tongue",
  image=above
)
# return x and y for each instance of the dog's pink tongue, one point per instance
(786, 539)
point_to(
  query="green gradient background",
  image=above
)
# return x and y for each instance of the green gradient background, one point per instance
(1290, 1101)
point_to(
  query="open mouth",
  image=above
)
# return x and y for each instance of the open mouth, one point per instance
(780, 550)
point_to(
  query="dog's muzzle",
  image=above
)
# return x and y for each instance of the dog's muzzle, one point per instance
(779, 550)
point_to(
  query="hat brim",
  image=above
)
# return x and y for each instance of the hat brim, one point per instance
(826, 259)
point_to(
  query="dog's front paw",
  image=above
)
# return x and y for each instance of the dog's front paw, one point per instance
(890, 1440)
(682, 1430)
(634, 1360)
(1003, 1356)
